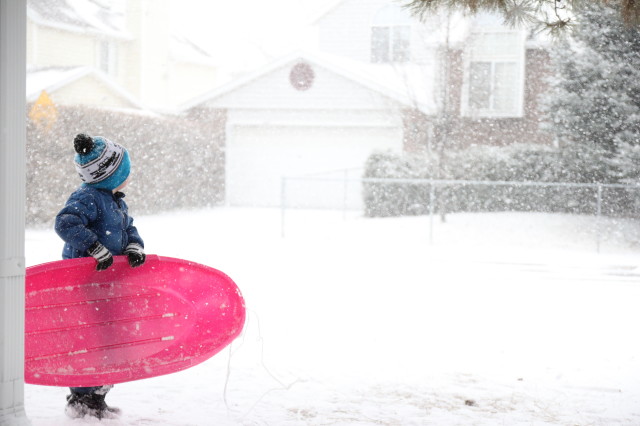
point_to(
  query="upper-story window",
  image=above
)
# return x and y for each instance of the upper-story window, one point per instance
(107, 57)
(391, 35)
(494, 73)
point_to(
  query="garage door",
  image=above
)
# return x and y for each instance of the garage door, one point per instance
(257, 157)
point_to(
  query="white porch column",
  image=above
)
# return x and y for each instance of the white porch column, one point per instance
(13, 24)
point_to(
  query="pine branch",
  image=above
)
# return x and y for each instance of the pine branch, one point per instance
(631, 12)
(553, 15)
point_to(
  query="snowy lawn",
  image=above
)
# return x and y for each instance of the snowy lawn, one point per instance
(504, 319)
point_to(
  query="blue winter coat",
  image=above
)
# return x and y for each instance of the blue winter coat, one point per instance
(91, 215)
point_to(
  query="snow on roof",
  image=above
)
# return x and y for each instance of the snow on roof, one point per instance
(51, 79)
(80, 16)
(184, 49)
(325, 10)
(54, 78)
(409, 84)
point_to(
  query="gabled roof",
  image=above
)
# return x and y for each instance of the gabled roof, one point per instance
(325, 10)
(55, 78)
(408, 84)
(184, 49)
(78, 16)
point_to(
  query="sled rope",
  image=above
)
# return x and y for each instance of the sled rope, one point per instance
(283, 386)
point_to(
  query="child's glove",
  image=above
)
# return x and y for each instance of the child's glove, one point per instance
(135, 254)
(102, 255)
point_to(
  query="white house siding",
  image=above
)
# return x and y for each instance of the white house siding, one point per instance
(147, 54)
(350, 20)
(88, 91)
(53, 47)
(187, 80)
(316, 117)
(32, 43)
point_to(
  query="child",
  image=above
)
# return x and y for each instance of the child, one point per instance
(95, 222)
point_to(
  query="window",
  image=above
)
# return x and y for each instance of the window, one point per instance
(391, 35)
(106, 57)
(493, 87)
(494, 74)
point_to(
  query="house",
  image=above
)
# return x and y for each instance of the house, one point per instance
(378, 79)
(308, 114)
(126, 48)
(78, 86)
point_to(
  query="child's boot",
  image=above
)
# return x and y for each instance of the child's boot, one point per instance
(89, 404)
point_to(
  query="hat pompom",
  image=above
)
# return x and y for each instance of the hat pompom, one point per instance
(83, 144)
(101, 163)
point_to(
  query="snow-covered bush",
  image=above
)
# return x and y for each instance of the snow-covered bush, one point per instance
(396, 199)
(176, 162)
(503, 164)
(496, 165)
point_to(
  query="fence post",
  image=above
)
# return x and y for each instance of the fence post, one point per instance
(283, 203)
(598, 217)
(344, 196)
(432, 201)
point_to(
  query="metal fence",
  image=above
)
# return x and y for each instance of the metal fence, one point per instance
(343, 190)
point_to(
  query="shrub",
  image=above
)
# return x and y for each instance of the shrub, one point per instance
(516, 163)
(395, 199)
(177, 162)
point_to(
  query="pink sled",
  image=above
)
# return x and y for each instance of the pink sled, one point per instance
(90, 328)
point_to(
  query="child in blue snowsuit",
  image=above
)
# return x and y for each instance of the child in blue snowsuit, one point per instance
(95, 222)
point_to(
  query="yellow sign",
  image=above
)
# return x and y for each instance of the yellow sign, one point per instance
(43, 112)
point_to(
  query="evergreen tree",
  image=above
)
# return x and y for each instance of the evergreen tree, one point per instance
(593, 106)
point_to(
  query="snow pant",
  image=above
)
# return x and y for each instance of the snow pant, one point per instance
(101, 390)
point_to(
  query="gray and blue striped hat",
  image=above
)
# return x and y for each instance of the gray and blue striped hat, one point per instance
(100, 162)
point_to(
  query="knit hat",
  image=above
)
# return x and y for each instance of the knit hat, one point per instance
(100, 162)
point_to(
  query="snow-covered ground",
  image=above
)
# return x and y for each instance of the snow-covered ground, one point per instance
(500, 319)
